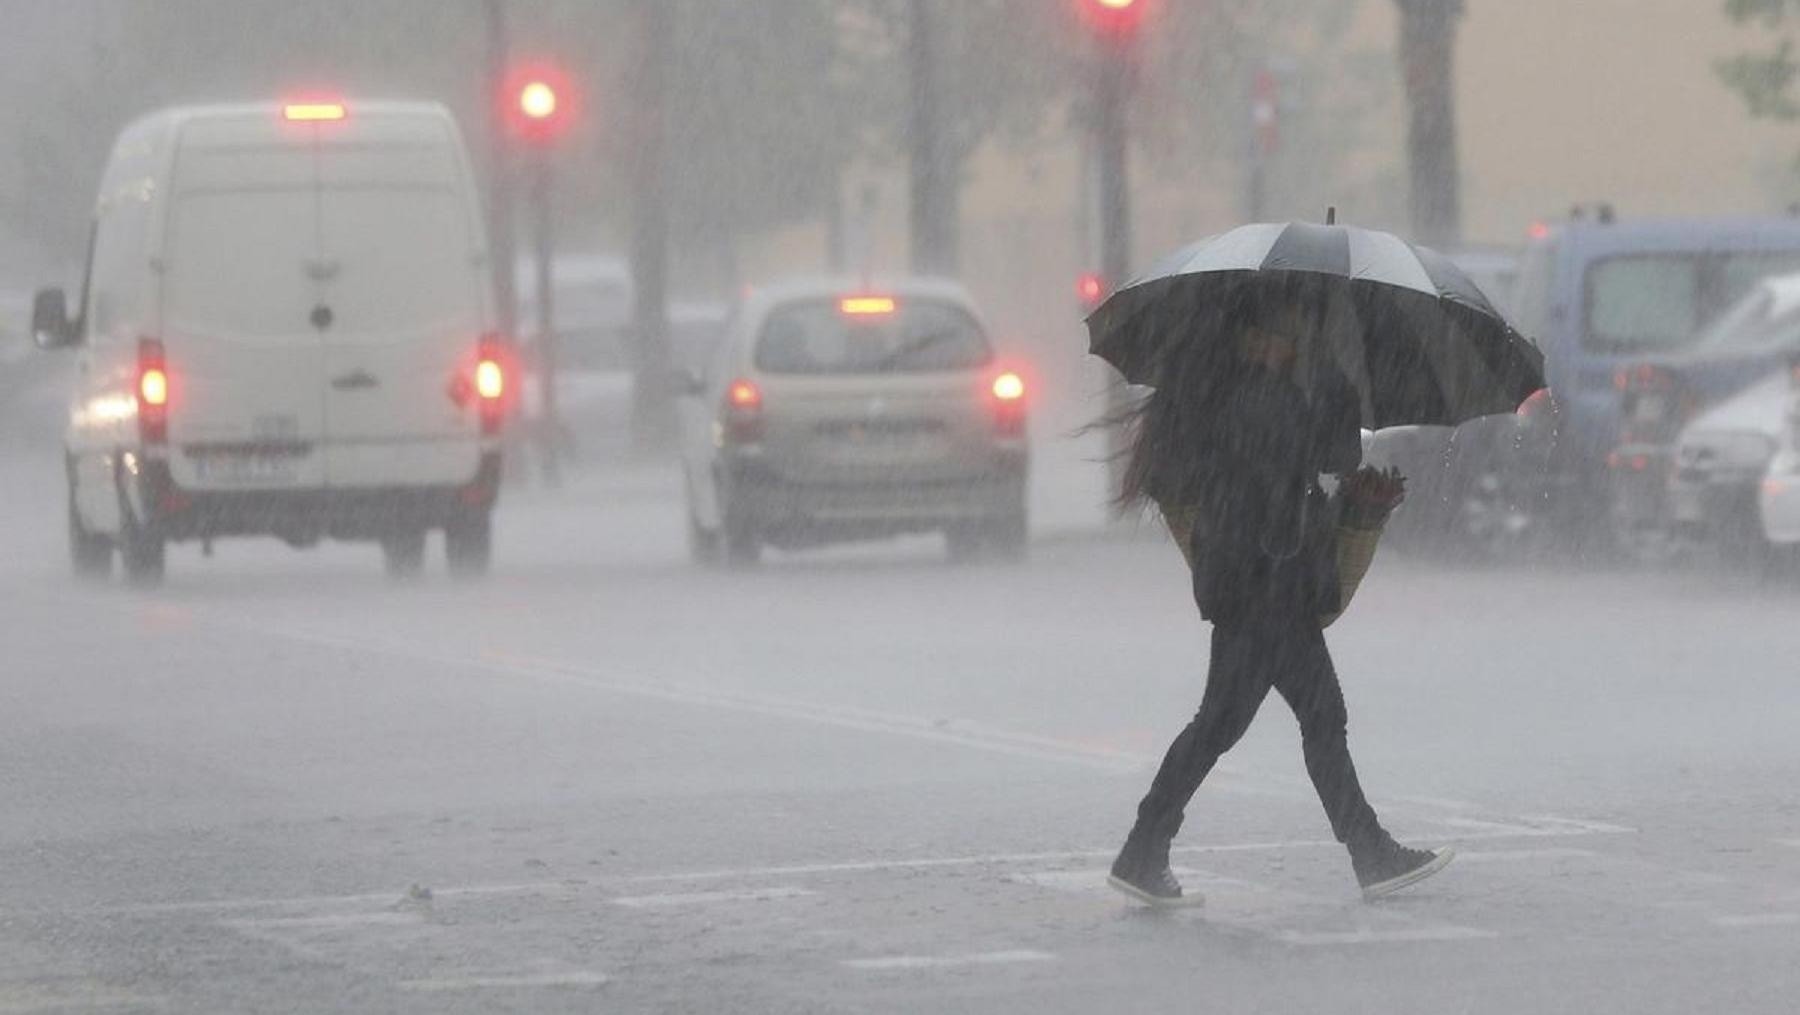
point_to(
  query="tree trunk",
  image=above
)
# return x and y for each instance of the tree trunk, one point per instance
(934, 198)
(652, 401)
(502, 234)
(1428, 67)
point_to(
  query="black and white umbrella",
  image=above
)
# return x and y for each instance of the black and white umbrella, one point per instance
(1419, 340)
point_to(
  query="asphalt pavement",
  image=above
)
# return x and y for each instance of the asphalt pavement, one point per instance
(863, 781)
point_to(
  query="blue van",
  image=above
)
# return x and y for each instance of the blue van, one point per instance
(1599, 294)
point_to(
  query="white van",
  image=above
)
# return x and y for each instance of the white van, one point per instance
(286, 329)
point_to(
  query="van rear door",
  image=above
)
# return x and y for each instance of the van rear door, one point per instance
(406, 319)
(245, 365)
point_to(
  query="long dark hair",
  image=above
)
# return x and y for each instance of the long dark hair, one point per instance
(1170, 432)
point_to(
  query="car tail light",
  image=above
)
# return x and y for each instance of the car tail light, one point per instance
(1008, 398)
(1653, 406)
(743, 411)
(152, 392)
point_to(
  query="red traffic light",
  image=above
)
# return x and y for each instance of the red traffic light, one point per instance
(538, 101)
(1091, 289)
(1117, 17)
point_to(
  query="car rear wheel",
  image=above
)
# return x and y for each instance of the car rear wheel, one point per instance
(89, 554)
(1003, 540)
(962, 543)
(1009, 538)
(469, 545)
(705, 547)
(743, 544)
(404, 554)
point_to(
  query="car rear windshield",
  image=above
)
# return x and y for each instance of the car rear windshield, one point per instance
(870, 336)
(1660, 302)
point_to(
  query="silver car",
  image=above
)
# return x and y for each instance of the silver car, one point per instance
(836, 412)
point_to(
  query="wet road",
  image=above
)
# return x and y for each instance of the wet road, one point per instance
(863, 781)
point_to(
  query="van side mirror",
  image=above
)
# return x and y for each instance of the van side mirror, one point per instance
(50, 324)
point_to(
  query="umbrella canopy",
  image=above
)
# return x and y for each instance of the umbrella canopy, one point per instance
(1418, 339)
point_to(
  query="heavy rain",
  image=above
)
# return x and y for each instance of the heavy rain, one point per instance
(899, 506)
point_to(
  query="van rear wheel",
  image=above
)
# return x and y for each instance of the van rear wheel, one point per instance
(404, 554)
(143, 555)
(469, 545)
(90, 555)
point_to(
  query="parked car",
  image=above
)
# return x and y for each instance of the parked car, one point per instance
(1662, 395)
(1598, 295)
(286, 330)
(838, 411)
(1720, 462)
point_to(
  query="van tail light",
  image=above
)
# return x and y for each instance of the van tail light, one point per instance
(743, 412)
(1007, 396)
(152, 392)
(492, 383)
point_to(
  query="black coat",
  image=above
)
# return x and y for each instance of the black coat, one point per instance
(1264, 544)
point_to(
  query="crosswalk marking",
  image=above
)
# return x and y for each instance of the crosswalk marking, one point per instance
(948, 961)
(1365, 935)
(1757, 920)
(576, 978)
(706, 898)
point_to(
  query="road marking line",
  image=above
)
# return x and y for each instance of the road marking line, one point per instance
(948, 961)
(1448, 932)
(1093, 880)
(373, 898)
(707, 898)
(84, 996)
(326, 922)
(1757, 920)
(1510, 855)
(958, 732)
(578, 978)
(1579, 826)
(575, 887)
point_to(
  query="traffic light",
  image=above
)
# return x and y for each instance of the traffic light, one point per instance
(538, 101)
(1114, 17)
(1090, 289)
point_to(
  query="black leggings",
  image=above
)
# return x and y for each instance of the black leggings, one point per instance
(1246, 662)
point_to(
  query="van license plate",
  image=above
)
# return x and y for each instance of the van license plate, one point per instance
(244, 467)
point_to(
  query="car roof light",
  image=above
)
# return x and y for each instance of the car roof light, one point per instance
(313, 112)
(867, 306)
